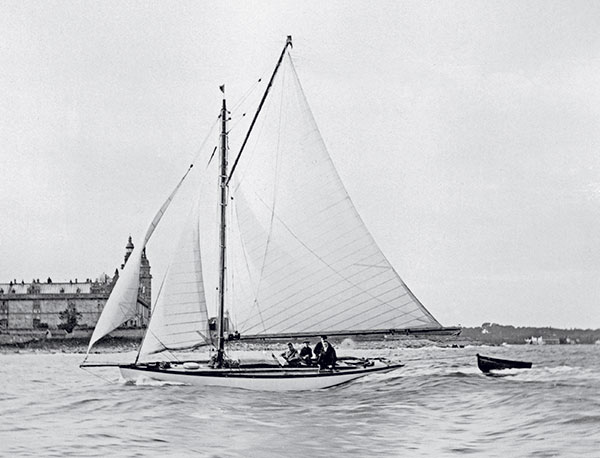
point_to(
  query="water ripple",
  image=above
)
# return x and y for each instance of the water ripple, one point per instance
(439, 404)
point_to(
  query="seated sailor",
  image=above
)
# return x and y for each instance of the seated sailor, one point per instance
(291, 355)
(306, 354)
(319, 346)
(327, 358)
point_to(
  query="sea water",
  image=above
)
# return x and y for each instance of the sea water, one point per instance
(438, 405)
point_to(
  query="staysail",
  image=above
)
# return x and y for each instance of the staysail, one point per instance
(179, 316)
(306, 262)
(122, 302)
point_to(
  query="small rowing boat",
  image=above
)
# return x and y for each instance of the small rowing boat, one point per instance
(487, 364)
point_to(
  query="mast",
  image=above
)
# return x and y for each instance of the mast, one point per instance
(223, 225)
(224, 182)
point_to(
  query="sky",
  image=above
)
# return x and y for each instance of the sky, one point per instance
(466, 134)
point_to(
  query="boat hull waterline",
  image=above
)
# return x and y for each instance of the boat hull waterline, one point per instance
(273, 379)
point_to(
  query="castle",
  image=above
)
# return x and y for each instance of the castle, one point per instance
(68, 305)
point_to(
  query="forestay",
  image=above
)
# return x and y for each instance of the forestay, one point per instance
(300, 258)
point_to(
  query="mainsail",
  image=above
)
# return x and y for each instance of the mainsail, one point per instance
(307, 263)
(300, 260)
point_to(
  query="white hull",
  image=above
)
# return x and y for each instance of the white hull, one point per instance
(275, 379)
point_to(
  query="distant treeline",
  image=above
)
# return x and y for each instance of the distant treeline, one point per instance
(497, 334)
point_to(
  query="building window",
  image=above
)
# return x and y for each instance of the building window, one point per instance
(3, 314)
(37, 312)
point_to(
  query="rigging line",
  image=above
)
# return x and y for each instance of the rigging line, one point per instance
(211, 157)
(314, 316)
(152, 311)
(328, 276)
(166, 352)
(348, 250)
(151, 331)
(274, 203)
(235, 163)
(170, 354)
(167, 203)
(112, 382)
(424, 309)
(236, 123)
(334, 271)
(275, 187)
(372, 317)
(240, 179)
(245, 96)
(194, 212)
(231, 257)
(403, 323)
(120, 306)
(337, 293)
(325, 263)
(246, 262)
(201, 147)
(307, 107)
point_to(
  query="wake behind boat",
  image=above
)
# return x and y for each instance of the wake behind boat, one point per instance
(293, 259)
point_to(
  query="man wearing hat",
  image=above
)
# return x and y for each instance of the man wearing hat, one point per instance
(306, 353)
(319, 346)
(327, 358)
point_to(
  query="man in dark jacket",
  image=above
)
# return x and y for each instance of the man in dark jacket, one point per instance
(328, 357)
(306, 354)
(319, 346)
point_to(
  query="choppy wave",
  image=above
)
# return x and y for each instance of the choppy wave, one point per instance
(439, 404)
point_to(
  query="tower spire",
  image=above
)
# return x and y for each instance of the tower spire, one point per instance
(128, 249)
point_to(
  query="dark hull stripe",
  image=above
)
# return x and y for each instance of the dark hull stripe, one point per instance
(216, 373)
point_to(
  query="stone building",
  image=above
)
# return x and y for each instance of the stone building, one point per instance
(68, 305)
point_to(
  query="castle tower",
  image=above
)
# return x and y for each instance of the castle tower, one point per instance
(128, 249)
(145, 279)
(145, 291)
(145, 285)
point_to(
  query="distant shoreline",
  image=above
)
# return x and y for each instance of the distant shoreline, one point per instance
(129, 340)
(117, 344)
(69, 345)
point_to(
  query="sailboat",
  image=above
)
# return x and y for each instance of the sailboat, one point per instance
(294, 261)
